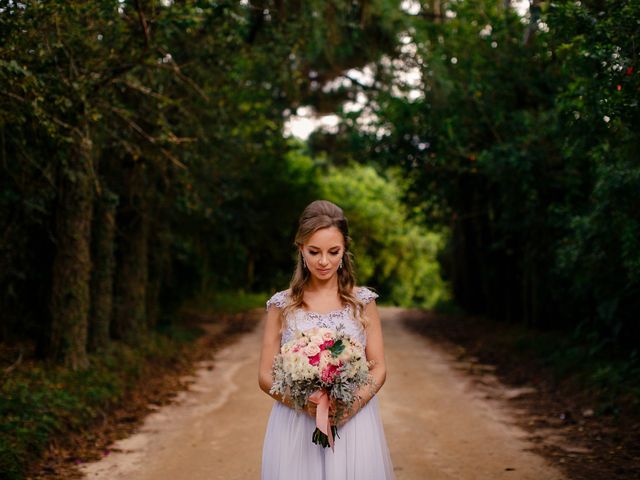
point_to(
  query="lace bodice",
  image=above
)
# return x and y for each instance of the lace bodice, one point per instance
(300, 319)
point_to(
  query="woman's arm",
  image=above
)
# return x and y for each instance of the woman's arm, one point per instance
(375, 353)
(270, 348)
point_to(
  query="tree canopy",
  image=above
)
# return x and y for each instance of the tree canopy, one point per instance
(479, 147)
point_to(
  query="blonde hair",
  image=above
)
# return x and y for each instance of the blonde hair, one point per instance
(317, 215)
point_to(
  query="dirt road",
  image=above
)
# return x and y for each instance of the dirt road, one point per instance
(438, 425)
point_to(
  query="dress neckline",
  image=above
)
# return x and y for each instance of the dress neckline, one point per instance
(326, 314)
(329, 313)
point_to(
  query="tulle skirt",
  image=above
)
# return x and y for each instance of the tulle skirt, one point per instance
(361, 452)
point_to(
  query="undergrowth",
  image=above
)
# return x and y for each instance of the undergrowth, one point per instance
(611, 375)
(226, 301)
(40, 401)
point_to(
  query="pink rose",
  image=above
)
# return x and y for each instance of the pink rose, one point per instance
(327, 344)
(311, 350)
(314, 360)
(329, 373)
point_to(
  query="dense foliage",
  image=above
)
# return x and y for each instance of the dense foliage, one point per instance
(522, 137)
(143, 158)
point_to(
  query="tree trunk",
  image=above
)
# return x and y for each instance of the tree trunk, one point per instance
(251, 269)
(72, 261)
(432, 10)
(104, 227)
(129, 321)
(468, 278)
(534, 12)
(159, 264)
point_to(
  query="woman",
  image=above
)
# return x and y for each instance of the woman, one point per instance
(323, 293)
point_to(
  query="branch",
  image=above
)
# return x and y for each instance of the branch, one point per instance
(13, 95)
(134, 126)
(143, 24)
(173, 66)
(173, 159)
(357, 82)
(119, 71)
(142, 89)
(152, 140)
(13, 366)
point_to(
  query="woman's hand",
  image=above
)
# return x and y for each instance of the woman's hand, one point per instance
(339, 414)
(310, 409)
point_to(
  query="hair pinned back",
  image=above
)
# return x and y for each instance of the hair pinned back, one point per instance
(317, 215)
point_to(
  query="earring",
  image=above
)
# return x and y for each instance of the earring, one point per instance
(340, 264)
(304, 264)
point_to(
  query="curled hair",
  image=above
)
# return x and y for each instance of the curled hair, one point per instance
(317, 215)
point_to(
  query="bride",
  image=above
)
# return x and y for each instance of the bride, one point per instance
(322, 293)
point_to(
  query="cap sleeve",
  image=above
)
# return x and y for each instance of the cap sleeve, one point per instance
(366, 295)
(278, 299)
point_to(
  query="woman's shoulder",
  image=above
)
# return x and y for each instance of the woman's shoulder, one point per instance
(365, 294)
(279, 299)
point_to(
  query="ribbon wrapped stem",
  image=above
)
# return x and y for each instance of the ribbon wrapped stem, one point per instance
(323, 435)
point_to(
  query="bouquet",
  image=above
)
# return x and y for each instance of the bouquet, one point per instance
(320, 364)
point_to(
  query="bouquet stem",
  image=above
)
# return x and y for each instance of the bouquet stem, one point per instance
(321, 439)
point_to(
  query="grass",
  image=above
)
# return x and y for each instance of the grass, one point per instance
(447, 307)
(226, 301)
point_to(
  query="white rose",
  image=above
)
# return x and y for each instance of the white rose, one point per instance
(325, 359)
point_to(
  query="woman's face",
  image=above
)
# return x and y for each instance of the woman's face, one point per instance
(323, 251)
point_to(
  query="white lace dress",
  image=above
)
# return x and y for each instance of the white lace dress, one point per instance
(361, 452)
